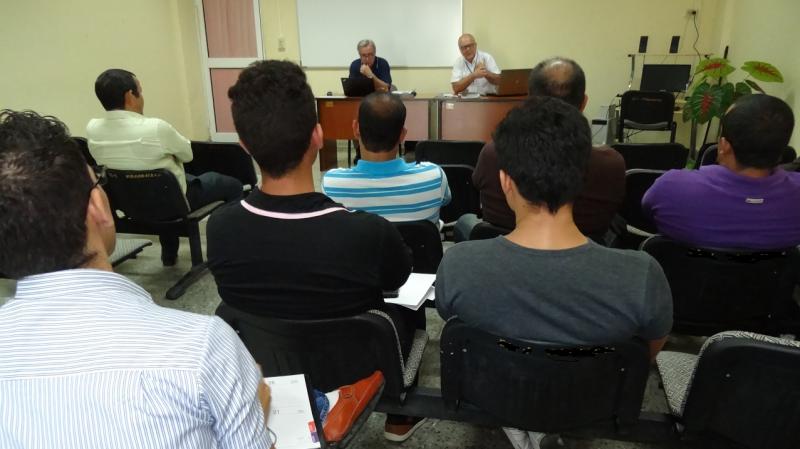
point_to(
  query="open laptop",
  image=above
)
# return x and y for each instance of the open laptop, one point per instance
(513, 82)
(357, 87)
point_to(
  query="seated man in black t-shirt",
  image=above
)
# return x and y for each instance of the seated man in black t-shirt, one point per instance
(286, 251)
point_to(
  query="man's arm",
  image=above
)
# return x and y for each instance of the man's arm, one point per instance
(180, 147)
(462, 84)
(657, 308)
(396, 261)
(492, 70)
(379, 84)
(231, 389)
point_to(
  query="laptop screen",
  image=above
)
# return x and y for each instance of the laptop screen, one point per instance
(665, 77)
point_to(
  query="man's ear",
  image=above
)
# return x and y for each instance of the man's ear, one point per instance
(584, 102)
(506, 183)
(724, 149)
(98, 210)
(356, 130)
(316, 138)
(402, 136)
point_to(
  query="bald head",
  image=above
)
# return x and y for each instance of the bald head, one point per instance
(381, 117)
(560, 78)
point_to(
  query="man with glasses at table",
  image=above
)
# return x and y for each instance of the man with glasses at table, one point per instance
(475, 72)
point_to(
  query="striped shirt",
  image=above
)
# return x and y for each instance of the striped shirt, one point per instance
(87, 360)
(396, 190)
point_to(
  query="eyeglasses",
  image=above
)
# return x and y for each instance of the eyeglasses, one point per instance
(464, 47)
(100, 174)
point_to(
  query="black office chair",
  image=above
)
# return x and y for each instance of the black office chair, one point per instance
(653, 156)
(543, 387)
(646, 111)
(425, 242)
(83, 144)
(709, 156)
(630, 226)
(716, 290)
(485, 230)
(151, 202)
(224, 158)
(742, 390)
(458, 160)
(331, 352)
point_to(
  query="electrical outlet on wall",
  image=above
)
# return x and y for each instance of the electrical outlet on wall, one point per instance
(691, 13)
(281, 43)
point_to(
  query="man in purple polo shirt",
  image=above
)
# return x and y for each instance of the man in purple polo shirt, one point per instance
(746, 201)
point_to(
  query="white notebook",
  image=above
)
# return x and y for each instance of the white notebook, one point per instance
(290, 416)
(417, 289)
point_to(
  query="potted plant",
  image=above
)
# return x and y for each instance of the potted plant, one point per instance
(712, 92)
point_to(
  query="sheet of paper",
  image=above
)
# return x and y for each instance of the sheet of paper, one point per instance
(290, 414)
(414, 292)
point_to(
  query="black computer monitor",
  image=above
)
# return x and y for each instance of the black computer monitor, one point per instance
(665, 77)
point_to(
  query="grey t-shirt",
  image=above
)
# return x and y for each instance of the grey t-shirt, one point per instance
(583, 295)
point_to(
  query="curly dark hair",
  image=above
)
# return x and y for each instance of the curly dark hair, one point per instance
(758, 127)
(44, 190)
(544, 146)
(274, 113)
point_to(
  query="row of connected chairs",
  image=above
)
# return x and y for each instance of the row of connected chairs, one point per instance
(151, 202)
(729, 392)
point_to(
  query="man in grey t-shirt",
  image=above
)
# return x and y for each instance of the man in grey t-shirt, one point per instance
(545, 280)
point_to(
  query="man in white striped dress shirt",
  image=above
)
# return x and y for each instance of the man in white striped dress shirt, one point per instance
(87, 360)
(381, 183)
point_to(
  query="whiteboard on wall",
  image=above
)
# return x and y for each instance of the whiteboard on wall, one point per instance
(409, 33)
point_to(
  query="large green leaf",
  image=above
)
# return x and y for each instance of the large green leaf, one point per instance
(728, 94)
(705, 102)
(713, 68)
(754, 85)
(742, 89)
(763, 71)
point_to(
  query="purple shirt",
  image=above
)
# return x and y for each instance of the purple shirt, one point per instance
(718, 208)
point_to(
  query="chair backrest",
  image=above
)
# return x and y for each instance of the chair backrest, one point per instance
(637, 182)
(653, 156)
(542, 386)
(331, 352)
(458, 160)
(647, 108)
(709, 156)
(715, 290)
(146, 196)
(225, 158)
(425, 242)
(83, 144)
(746, 389)
(485, 230)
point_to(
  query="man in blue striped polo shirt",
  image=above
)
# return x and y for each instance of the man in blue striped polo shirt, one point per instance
(87, 360)
(382, 183)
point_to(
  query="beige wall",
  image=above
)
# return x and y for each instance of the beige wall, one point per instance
(520, 33)
(765, 30)
(59, 47)
(54, 50)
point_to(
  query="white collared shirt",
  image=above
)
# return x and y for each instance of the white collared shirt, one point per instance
(126, 140)
(88, 361)
(462, 69)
